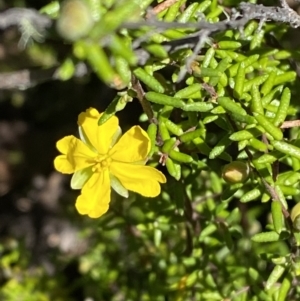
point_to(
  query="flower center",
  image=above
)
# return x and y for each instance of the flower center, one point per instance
(101, 162)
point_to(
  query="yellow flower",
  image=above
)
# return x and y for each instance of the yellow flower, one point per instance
(102, 159)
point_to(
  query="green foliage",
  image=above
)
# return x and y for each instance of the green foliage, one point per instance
(209, 235)
(20, 282)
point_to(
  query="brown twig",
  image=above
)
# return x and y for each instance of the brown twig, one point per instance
(290, 124)
(140, 94)
(160, 7)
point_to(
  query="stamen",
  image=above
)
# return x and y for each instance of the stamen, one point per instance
(101, 162)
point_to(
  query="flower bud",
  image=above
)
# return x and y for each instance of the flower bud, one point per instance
(75, 20)
(295, 216)
(236, 172)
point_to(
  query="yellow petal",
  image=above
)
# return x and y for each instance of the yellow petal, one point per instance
(133, 146)
(141, 179)
(101, 136)
(95, 195)
(81, 155)
(76, 155)
(62, 164)
(63, 144)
